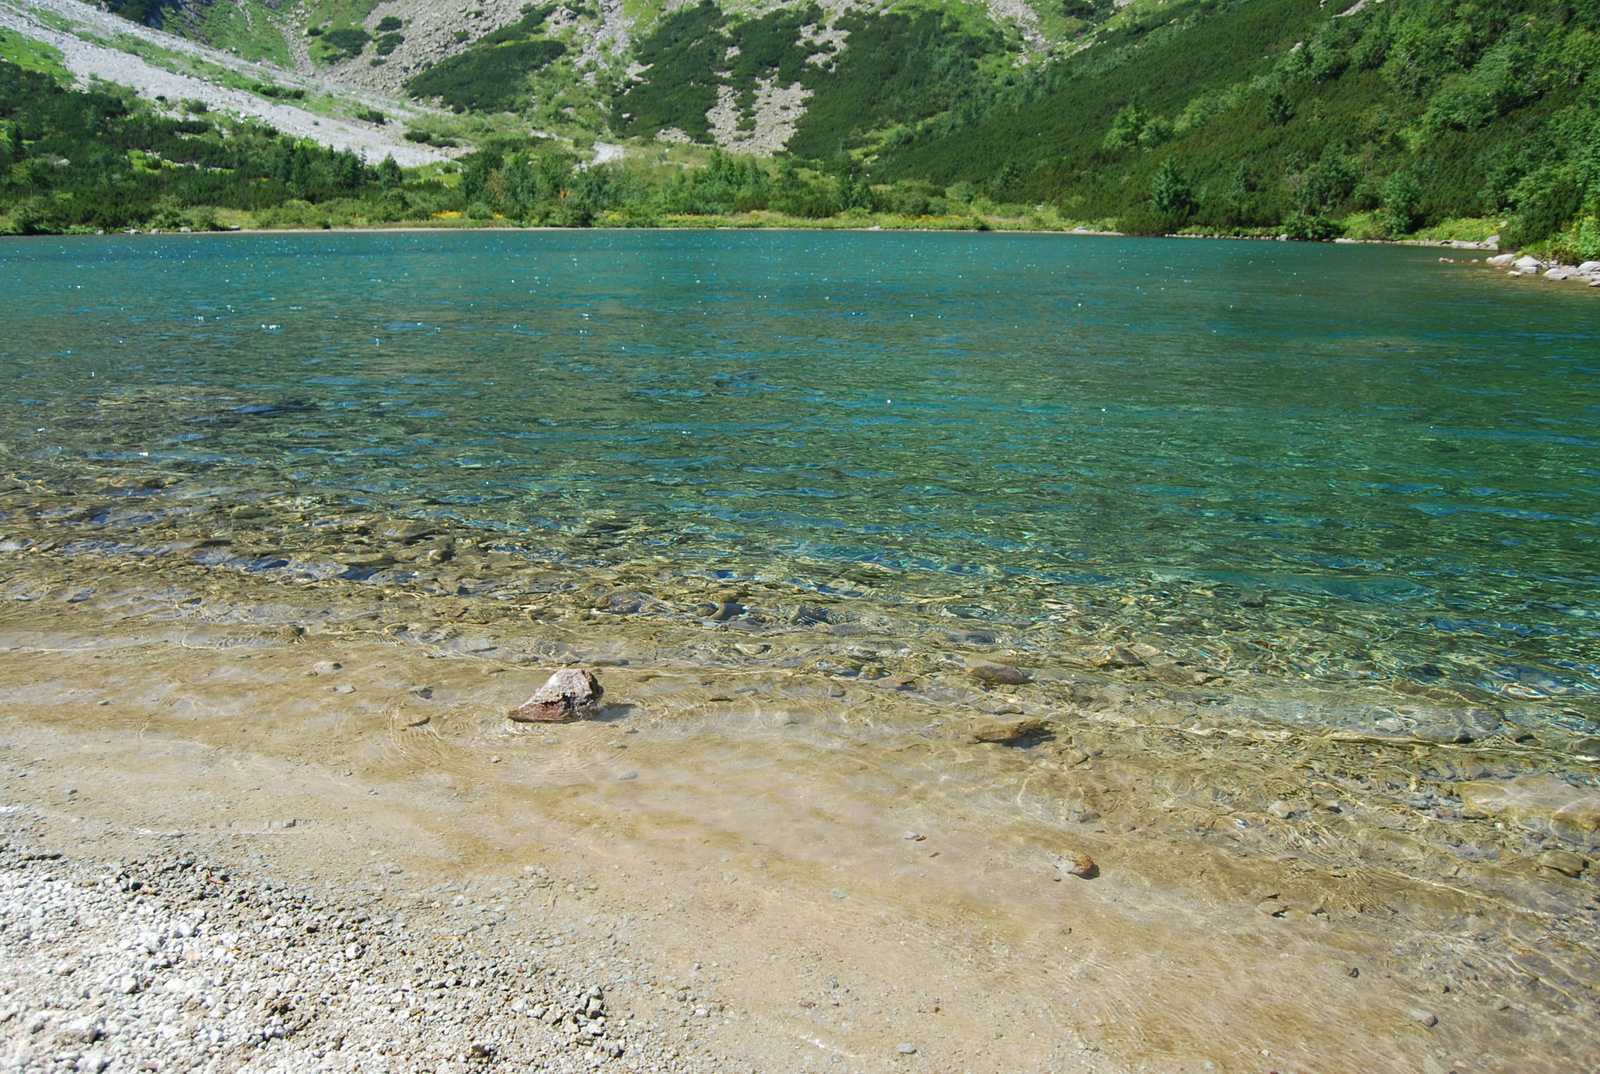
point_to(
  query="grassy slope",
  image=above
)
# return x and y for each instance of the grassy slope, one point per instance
(249, 29)
(32, 55)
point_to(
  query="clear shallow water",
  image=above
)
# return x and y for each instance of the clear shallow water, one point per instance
(1352, 464)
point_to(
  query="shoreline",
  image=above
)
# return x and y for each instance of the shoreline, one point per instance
(828, 869)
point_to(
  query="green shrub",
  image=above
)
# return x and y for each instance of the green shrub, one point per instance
(1545, 202)
(1402, 196)
(1126, 127)
(492, 75)
(1309, 227)
(1170, 193)
(343, 44)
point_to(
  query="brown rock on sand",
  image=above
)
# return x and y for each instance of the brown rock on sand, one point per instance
(569, 694)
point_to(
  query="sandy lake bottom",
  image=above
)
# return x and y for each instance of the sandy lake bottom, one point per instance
(845, 844)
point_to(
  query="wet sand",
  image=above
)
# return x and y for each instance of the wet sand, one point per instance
(791, 847)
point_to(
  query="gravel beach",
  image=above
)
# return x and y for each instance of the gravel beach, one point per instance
(172, 959)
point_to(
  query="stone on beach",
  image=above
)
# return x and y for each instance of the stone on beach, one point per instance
(569, 694)
(1526, 264)
(1076, 863)
(1501, 260)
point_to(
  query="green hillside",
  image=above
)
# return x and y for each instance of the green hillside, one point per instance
(1265, 117)
(1276, 114)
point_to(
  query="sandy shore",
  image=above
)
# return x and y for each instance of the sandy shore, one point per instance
(760, 864)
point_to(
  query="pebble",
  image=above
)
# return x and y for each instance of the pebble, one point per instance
(1424, 1018)
(907, 1049)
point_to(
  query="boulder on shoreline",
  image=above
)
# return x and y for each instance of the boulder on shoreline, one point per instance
(569, 694)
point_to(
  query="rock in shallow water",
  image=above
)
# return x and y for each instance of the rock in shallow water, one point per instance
(569, 694)
(998, 674)
(1562, 861)
(1009, 731)
(1117, 656)
(1536, 802)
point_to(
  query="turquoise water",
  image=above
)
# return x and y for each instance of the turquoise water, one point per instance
(1353, 464)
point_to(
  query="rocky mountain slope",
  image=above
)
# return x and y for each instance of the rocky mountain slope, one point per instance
(1263, 117)
(743, 79)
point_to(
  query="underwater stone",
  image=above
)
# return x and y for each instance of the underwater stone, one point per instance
(1117, 656)
(998, 674)
(1562, 861)
(569, 694)
(1008, 731)
(1542, 802)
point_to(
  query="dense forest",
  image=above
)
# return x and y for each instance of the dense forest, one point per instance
(1258, 117)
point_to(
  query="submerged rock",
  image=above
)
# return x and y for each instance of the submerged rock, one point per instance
(998, 674)
(1562, 861)
(1540, 803)
(569, 694)
(1117, 656)
(1009, 731)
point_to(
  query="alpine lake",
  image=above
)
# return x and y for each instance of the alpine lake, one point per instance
(918, 570)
